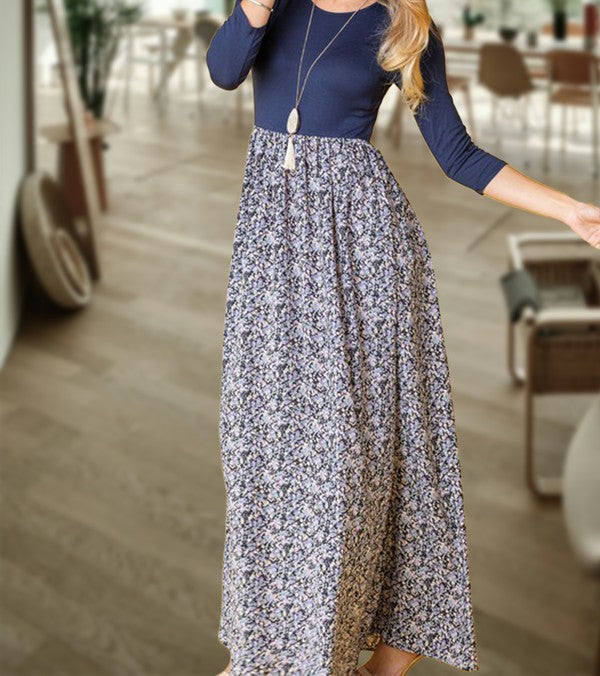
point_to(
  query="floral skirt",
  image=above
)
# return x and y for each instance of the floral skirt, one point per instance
(344, 519)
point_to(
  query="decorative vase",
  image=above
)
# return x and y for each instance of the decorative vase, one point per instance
(532, 39)
(469, 32)
(508, 33)
(560, 25)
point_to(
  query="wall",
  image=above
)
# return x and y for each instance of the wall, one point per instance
(524, 14)
(165, 6)
(13, 161)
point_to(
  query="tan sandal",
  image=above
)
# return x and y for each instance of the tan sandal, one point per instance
(363, 671)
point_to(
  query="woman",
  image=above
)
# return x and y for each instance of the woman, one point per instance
(344, 524)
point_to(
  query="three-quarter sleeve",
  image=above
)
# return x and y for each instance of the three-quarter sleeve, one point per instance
(233, 48)
(443, 130)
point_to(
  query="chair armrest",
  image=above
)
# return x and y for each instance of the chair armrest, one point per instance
(557, 317)
(515, 241)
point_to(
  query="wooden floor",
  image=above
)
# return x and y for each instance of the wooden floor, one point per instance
(112, 508)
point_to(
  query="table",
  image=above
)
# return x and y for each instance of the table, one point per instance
(69, 176)
(184, 34)
(466, 52)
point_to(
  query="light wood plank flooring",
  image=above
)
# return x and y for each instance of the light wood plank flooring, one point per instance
(112, 509)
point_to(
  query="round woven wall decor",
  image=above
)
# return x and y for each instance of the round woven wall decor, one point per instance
(56, 258)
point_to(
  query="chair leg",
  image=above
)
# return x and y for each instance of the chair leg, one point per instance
(542, 488)
(547, 133)
(182, 78)
(470, 115)
(563, 130)
(128, 67)
(525, 121)
(516, 371)
(200, 81)
(596, 134)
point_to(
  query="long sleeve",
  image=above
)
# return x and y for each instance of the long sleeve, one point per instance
(233, 48)
(443, 130)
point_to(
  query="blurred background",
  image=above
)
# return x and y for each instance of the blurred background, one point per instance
(120, 175)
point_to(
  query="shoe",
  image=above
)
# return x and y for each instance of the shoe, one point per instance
(363, 671)
(411, 664)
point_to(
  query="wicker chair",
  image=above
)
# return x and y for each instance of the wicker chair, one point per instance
(561, 340)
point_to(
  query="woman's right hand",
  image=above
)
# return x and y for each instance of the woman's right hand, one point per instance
(257, 15)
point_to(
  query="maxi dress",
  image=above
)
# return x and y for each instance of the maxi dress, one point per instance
(344, 515)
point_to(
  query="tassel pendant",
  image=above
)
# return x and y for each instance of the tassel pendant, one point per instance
(293, 124)
(290, 156)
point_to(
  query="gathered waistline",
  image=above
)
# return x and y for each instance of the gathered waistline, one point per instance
(319, 137)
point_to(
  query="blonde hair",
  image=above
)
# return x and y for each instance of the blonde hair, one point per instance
(403, 42)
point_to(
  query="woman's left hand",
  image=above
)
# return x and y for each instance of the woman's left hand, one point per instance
(584, 219)
(511, 187)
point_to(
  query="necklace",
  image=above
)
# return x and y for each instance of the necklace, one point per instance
(293, 121)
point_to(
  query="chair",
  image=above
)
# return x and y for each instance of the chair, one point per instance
(504, 73)
(150, 56)
(207, 24)
(572, 81)
(560, 330)
(455, 82)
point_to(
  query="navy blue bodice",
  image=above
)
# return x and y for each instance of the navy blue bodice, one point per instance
(345, 88)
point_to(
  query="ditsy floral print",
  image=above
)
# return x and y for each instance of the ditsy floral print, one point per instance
(344, 520)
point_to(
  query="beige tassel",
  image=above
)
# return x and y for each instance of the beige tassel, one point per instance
(290, 156)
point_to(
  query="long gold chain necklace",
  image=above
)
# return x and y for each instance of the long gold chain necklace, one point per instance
(293, 121)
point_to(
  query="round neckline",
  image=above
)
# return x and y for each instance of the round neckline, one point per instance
(327, 11)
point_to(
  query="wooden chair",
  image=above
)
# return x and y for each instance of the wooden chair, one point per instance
(504, 73)
(573, 80)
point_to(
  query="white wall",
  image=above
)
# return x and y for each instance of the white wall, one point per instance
(524, 14)
(165, 6)
(12, 167)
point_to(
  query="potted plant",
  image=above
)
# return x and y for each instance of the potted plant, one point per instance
(508, 29)
(95, 30)
(559, 8)
(470, 20)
